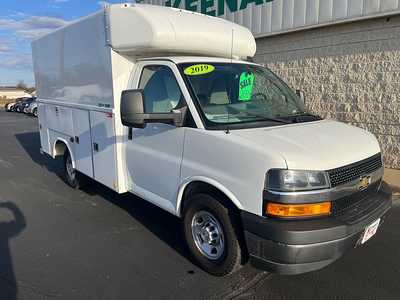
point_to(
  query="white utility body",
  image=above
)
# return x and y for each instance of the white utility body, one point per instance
(179, 63)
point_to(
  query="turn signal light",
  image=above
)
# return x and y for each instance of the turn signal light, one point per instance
(298, 210)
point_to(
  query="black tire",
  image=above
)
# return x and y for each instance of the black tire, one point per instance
(73, 178)
(35, 113)
(232, 255)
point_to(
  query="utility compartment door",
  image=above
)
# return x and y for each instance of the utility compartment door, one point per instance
(103, 145)
(82, 142)
(43, 131)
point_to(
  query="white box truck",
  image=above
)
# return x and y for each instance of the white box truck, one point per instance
(163, 103)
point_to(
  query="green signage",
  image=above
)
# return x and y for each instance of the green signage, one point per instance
(213, 7)
(246, 83)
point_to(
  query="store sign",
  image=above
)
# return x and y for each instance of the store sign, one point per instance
(268, 17)
(214, 7)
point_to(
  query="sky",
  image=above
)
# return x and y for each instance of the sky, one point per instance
(24, 20)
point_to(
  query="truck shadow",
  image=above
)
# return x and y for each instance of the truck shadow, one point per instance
(30, 141)
(161, 223)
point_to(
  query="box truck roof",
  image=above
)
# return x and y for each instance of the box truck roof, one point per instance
(89, 61)
(196, 59)
(141, 28)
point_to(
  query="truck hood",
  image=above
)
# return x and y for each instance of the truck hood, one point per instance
(321, 145)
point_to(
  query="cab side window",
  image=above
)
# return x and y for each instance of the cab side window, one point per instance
(161, 91)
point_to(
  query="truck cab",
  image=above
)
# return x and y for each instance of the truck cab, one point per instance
(240, 150)
(164, 104)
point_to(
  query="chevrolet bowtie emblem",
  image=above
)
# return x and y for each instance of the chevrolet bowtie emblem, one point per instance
(364, 182)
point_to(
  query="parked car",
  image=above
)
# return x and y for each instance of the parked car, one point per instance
(32, 108)
(20, 106)
(9, 105)
(13, 107)
(16, 104)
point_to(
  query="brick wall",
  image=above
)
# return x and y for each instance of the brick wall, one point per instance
(349, 72)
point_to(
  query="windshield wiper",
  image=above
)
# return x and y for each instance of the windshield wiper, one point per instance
(264, 117)
(271, 118)
(304, 117)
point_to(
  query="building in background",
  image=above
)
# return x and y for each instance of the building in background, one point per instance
(344, 54)
(12, 93)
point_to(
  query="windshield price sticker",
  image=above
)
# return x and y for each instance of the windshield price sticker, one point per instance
(246, 83)
(198, 69)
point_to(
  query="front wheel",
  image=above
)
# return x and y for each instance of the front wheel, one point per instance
(211, 233)
(35, 113)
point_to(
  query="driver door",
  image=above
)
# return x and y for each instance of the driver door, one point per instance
(154, 153)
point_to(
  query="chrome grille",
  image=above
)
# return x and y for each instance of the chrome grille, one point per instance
(354, 206)
(354, 171)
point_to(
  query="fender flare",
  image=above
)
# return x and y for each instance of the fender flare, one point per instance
(209, 181)
(59, 139)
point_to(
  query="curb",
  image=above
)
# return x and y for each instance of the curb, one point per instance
(392, 177)
(395, 191)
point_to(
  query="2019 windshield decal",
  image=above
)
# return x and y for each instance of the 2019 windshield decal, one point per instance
(198, 69)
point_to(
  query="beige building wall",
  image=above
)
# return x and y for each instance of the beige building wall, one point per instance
(349, 72)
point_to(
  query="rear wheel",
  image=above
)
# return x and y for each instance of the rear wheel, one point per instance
(74, 179)
(212, 237)
(35, 113)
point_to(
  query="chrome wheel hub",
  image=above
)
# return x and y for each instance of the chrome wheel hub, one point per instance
(208, 235)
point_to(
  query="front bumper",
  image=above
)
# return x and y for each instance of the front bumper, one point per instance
(294, 247)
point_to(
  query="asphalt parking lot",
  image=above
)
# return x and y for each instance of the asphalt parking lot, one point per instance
(60, 243)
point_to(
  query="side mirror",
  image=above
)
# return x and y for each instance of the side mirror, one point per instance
(301, 95)
(132, 108)
(133, 112)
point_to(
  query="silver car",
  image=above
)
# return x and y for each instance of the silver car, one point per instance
(31, 108)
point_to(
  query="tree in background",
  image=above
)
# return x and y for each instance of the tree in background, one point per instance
(21, 85)
(30, 89)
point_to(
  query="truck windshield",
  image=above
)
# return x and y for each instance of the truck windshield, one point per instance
(240, 94)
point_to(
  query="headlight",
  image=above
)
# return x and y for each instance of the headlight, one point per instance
(296, 180)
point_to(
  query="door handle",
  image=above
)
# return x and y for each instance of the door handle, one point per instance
(95, 147)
